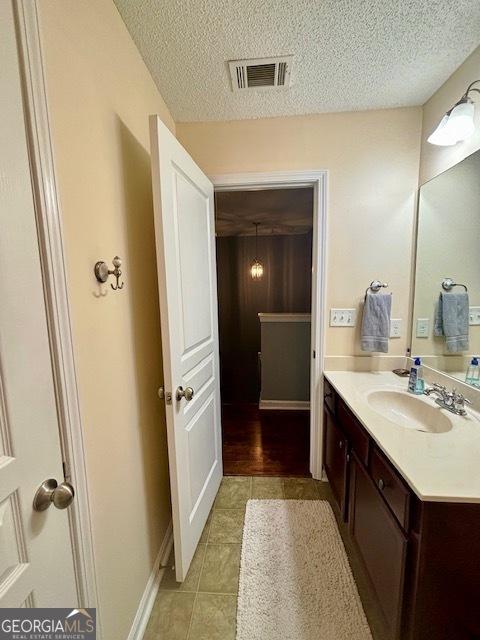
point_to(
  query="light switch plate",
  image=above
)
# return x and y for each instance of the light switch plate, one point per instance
(422, 327)
(474, 316)
(343, 317)
(395, 328)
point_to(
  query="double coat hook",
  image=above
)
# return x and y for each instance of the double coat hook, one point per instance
(102, 272)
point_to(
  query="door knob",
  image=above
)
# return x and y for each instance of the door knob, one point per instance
(187, 393)
(50, 491)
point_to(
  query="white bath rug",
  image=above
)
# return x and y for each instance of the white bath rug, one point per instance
(295, 580)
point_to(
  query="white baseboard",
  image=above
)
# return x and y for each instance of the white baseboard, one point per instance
(148, 598)
(284, 404)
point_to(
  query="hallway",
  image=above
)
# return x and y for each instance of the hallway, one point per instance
(265, 443)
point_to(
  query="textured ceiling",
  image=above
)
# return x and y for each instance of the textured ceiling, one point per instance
(349, 54)
(277, 211)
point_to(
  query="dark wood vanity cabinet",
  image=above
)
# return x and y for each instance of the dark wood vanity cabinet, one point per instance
(335, 461)
(423, 558)
(381, 543)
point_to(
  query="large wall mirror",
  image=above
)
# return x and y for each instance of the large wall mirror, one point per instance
(446, 315)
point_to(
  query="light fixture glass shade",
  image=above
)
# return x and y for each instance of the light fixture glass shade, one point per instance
(440, 136)
(256, 270)
(460, 124)
(455, 126)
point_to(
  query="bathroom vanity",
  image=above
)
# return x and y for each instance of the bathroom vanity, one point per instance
(411, 501)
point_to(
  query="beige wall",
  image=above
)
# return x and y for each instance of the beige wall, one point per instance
(100, 95)
(372, 158)
(436, 159)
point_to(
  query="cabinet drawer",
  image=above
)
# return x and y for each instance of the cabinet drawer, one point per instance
(329, 396)
(382, 545)
(391, 486)
(353, 430)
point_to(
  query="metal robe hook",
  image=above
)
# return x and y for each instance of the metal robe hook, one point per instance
(117, 272)
(102, 272)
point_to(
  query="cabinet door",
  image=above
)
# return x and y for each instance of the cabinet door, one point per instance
(381, 543)
(335, 461)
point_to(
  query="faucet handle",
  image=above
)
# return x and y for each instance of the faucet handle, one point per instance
(440, 387)
(460, 398)
(459, 402)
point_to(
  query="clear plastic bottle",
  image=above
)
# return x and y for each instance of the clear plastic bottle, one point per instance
(416, 383)
(473, 373)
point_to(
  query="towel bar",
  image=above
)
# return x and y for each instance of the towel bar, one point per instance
(375, 286)
(448, 284)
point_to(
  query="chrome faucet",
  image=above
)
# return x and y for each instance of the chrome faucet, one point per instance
(450, 400)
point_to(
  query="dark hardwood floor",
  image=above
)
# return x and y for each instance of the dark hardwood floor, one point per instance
(265, 443)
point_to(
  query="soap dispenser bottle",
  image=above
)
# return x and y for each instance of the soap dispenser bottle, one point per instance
(416, 383)
(473, 373)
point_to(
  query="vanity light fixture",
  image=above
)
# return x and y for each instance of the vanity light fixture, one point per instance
(458, 123)
(256, 270)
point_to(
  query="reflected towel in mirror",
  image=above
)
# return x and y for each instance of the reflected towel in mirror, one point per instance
(451, 320)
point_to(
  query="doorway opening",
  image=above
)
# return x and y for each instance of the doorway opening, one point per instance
(264, 239)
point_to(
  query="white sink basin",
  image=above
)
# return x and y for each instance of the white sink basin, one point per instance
(409, 411)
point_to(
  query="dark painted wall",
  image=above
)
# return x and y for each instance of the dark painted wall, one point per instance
(285, 288)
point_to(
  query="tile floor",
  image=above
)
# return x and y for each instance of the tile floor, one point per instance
(203, 607)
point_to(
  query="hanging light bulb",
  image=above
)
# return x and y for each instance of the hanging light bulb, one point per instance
(256, 270)
(457, 124)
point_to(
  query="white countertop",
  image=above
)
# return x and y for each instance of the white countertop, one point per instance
(439, 467)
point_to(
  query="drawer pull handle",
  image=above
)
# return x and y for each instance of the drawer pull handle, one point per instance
(340, 444)
(381, 484)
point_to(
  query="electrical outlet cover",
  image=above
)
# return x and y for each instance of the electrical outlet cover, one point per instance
(474, 316)
(422, 327)
(395, 328)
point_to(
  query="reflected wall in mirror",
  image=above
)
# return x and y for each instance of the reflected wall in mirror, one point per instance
(448, 246)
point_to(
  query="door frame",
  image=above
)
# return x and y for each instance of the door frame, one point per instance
(50, 240)
(318, 180)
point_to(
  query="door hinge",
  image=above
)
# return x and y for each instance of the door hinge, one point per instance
(314, 354)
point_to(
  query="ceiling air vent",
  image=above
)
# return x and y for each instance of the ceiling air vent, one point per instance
(262, 73)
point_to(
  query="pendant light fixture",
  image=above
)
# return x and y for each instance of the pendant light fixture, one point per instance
(256, 270)
(458, 123)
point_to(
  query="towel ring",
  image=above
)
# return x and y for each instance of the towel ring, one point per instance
(375, 286)
(448, 284)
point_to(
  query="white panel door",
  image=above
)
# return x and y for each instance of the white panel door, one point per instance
(36, 561)
(185, 238)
